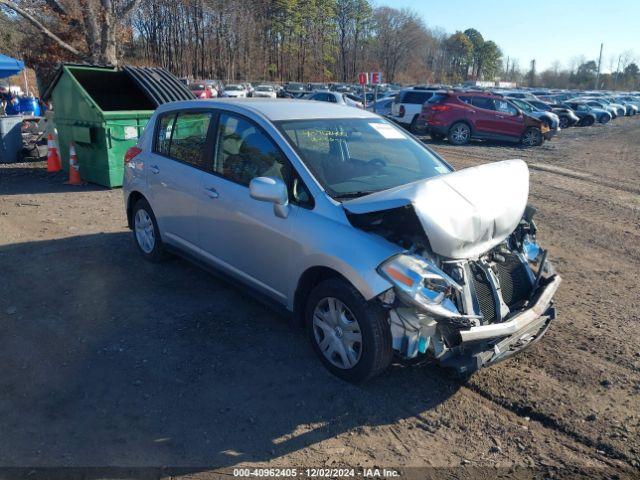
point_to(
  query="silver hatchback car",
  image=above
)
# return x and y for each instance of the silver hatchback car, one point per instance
(352, 225)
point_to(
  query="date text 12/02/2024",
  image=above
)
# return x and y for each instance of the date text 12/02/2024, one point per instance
(317, 472)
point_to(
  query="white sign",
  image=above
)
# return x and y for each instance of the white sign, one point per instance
(130, 133)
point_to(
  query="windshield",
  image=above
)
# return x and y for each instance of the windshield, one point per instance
(197, 86)
(352, 157)
(264, 89)
(234, 87)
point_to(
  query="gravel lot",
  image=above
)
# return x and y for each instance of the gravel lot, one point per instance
(112, 361)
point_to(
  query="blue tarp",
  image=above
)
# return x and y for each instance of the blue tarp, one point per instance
(9, 66)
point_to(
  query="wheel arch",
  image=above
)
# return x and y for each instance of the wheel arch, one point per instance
(311, 277)
(462, 120)
(133, 198)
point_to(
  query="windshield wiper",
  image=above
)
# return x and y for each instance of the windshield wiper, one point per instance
(357, 194)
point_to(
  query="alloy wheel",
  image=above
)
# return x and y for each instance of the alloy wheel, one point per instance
(337, 333)
(460, 134)
(531, 138)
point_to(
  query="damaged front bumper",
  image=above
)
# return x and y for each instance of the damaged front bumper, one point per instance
(479, 346)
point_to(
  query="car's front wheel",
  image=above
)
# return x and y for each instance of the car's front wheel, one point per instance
(350, 335)
(532, 137)
(459, 133)
(604, 119)
(145, 232)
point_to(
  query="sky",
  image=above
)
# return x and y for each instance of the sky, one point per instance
(544, 30)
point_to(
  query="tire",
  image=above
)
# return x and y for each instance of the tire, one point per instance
(413, 125)
(564, 122)
(459, 134)
(532, 137)
(361, 359)
(146, 234)
(588, 121)
(436, 136)
(604, 119)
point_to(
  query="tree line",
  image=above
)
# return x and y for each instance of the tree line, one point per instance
(271, 40)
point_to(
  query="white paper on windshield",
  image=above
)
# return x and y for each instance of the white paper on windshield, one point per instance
(387, 131)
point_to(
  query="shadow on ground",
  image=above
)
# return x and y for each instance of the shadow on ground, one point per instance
(110, 360)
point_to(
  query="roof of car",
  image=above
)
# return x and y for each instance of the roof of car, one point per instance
(278, 109)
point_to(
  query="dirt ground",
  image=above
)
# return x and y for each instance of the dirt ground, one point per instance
(111, 361)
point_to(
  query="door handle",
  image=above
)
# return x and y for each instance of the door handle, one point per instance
(472, 111)
(154, 169)
(500, 116)
(211, 192)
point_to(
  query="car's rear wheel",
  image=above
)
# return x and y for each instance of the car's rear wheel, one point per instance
(532, 137)
(459, 133)
(604, 119)
(145, 232)
(413, 126)
(350, 335)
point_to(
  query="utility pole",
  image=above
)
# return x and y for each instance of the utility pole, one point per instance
(615, 79)
(598, 72)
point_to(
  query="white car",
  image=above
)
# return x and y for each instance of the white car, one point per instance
(235, 91)
(334, 97)
(264, 91)
(407, 105)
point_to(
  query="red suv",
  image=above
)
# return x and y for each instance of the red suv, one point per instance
(461, 116)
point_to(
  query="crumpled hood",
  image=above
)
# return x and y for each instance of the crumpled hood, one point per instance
(464, 213)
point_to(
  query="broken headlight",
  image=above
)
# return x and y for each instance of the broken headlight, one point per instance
(422, 284)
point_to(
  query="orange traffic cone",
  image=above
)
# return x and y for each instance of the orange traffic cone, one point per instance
(74, 168)
(53, 159)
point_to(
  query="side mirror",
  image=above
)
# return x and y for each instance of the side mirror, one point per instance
(273, 190)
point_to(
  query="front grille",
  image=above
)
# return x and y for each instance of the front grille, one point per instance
(484, 295)
(515, 282)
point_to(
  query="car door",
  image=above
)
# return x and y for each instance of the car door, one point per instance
(241, 235)
(509, 119)
(482, 116)
(175, 172)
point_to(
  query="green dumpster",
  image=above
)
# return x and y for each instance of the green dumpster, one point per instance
(102, 111)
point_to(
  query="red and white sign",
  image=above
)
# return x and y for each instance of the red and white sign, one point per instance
(376, 78)
(366, 78)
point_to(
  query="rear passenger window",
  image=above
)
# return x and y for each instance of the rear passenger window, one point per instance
(189, 137)
(483, 102)
(183, 137)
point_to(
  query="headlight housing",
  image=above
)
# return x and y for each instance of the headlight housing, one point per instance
(421, 283)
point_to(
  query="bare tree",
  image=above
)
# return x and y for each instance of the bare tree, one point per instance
(99, 20)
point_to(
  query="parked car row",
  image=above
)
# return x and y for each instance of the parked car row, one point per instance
(461, 115)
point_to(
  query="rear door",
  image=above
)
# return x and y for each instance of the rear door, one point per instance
(482, 115)
(175, 173)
